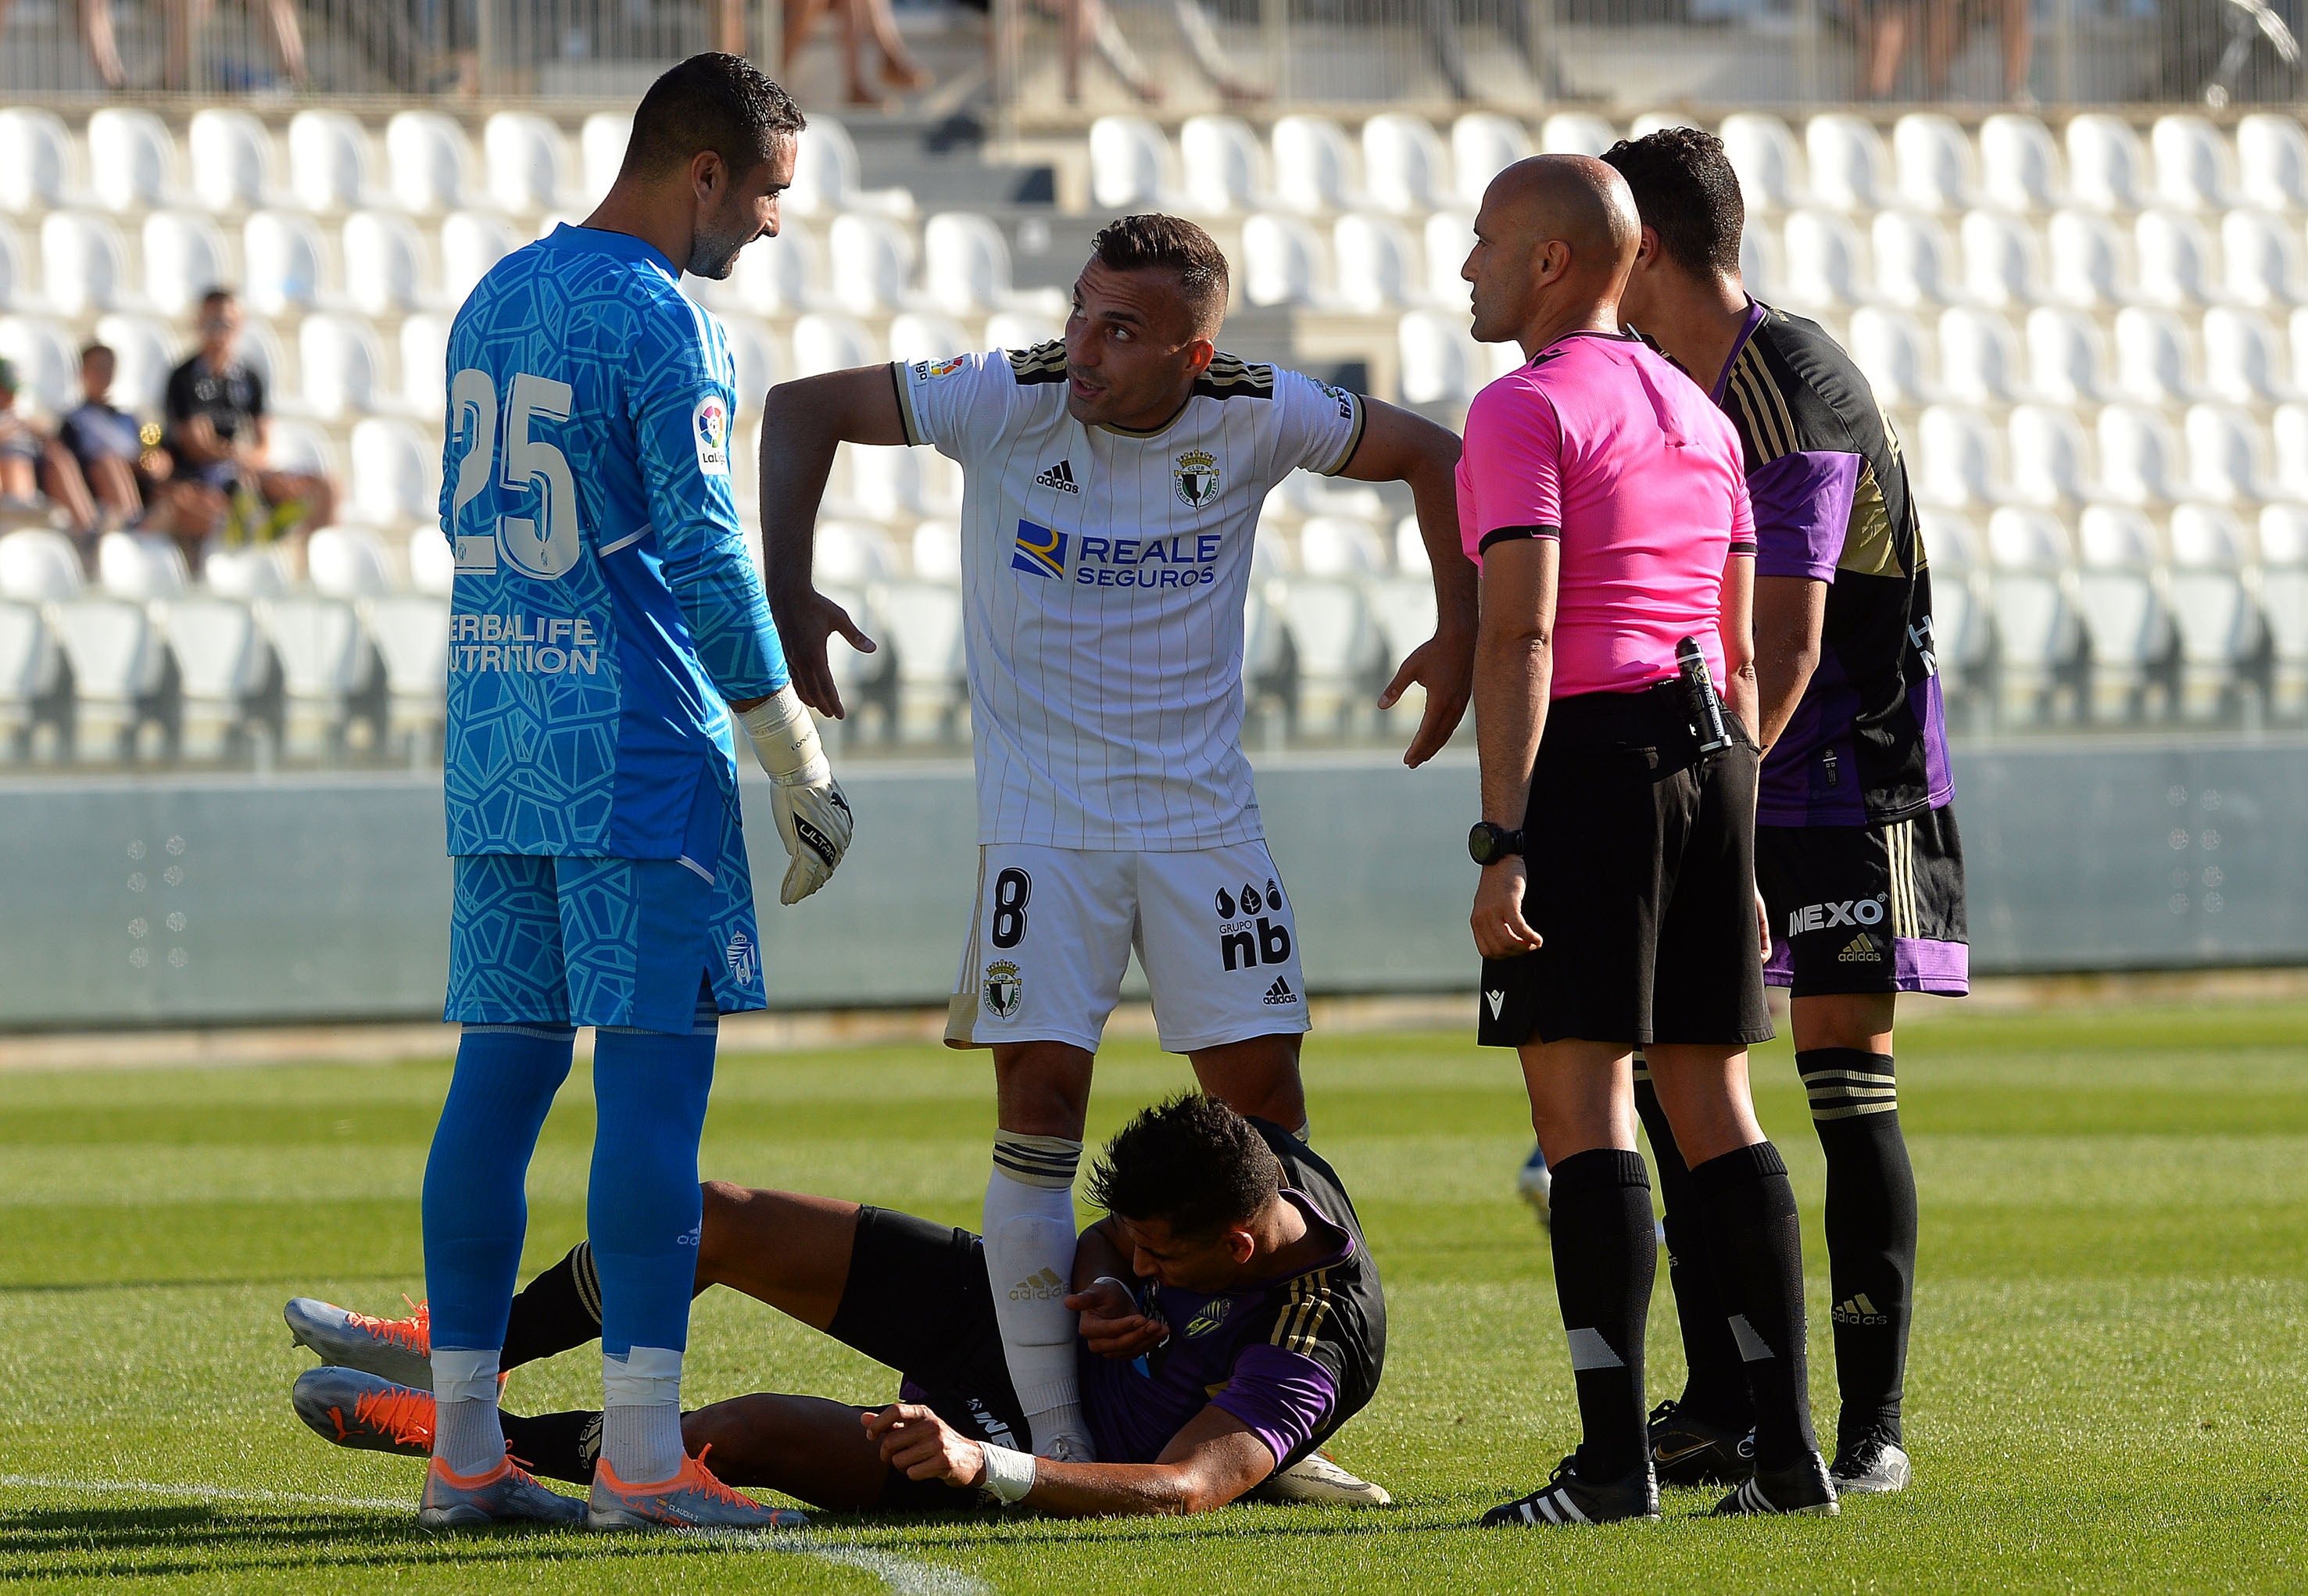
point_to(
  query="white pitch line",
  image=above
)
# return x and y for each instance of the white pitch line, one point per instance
(903, 1575)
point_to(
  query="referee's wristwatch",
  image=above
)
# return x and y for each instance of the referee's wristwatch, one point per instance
(1487, 845)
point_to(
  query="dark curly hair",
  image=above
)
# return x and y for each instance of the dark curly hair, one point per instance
(1688, 195)
(1158, 242)
(1191, 1163)
(712, 101)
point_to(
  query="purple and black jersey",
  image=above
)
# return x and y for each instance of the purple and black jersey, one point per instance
(1868, 743)
(1294, 1358)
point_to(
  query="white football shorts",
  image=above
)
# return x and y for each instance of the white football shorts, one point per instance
(1055, 926)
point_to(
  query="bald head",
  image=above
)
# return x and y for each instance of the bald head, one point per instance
(1555, 241)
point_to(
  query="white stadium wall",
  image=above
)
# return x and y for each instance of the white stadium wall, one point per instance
(239, 900)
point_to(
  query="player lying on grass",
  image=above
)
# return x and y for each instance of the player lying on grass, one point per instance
(1254, 1330)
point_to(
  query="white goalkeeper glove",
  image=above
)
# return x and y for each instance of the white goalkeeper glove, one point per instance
(813, 818)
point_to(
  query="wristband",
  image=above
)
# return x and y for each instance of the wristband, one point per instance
(1009, 1474)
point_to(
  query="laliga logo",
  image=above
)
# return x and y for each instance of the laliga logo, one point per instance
(710, 425)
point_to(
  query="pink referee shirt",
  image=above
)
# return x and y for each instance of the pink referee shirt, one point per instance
(1603, 444)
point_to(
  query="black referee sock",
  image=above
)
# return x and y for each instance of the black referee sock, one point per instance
(1605, 1260)
(1716, 1388)
(555, 1445)
(1757, 1244)
(559, 1309)
(1871, 1232)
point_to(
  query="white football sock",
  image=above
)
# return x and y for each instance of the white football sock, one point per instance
(1029, 1260)
(467, 1437)
(641, 1415)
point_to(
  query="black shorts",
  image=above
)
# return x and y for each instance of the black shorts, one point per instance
(1642, 883)
(918, 1300)
(1865, 909)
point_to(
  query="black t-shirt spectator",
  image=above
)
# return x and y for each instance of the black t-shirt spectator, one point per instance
(230, 399)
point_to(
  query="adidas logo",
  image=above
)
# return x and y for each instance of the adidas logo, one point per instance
(1497, 1000)
(1856, 1309)
(1043, 1287)
(1061, 477)
(1279, 993)
(1860, 951)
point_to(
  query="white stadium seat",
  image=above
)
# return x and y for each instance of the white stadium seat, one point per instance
(1441, 362)
(140, 566)
(2272, 161)
(1892, 351)
(2139, 458)
(2195, 170)
(966, 268)
(2089, 259)
(132, 160)
(2155, 357)
(424, 365)
(1914, 263)
(1340, 546)
(2050, 456)
(2107, 165)
(1315, 169)
(2127, 629)
(2020, 166)
(330, 163)
(2228, 456)
(2261, 253)
(1446, 241)
(396, 476)
(1403, 608)
(2244, 358)
(1410, 557)
(1980, 362)
(936, 550)
(528, 162)
(145, 351)
(1406, 168)
(893, 485)
(248, 573)
(37, 567)
(38, 168)
(1763, 261)
(1826, 261)
(1575, 132)
(83, 263)
(925, 335)
(1377, 266)
(284, 262)
(1340, 649)
(1962, 638)
(304, 447)
(47, 358)
(1022, 329)
(1483, 144)
(30, 668)
(1763, 152)
(872, 259)
(922, 622)
(2219, 625)
(781, 279)
(471, 242)
(1937, 171)
(601, 144)
(184, 258)
(231, 163)
(339, 367)
(1132, 166)
(2067, 359)
(2283, 600)
(411, 633)
(222, 664)
(325, 660)
(433, 564)
(824, 342)
(429, 163)
(349, 562)
(1224, 165)
(2002, 260)
(2289, 426)
(825, 177)
(853, 554)
(1958, 458)
(118, 662)
(2032, 599)
(1285, 261)
(17, 275)
(2174, 260)
(1849, 169)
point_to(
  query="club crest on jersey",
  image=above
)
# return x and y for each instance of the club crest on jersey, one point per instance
(709, 428)
(740, 956)
(1004, 988)
(1213, 1315)
(1196, 476)
(1041, 550)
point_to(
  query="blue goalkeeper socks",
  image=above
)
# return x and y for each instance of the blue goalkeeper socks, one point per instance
(644, 1209)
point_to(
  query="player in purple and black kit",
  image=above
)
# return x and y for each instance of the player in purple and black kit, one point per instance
(1231, 1321)
(1856, 853)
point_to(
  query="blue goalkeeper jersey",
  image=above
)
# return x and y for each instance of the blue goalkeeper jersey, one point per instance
(604, 606)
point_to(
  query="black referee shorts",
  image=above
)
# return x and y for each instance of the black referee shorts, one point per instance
(918, 1300)
(1642, 860)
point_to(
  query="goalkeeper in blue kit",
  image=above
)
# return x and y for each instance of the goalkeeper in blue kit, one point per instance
(608, 627)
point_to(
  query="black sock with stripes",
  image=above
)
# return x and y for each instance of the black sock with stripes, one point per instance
(559, 1309)
(1716, 1387)
(555, 1445)
(1871, 1232)
(1606, 1259)
(1756, 1242)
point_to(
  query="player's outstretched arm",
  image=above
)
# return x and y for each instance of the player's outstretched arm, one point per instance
(803, 422)
(1209, 1462)
(1398, 446)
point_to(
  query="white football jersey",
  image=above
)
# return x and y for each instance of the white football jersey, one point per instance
(1104, 574)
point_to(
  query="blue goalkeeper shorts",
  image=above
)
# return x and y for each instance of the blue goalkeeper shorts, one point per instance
(567, 941)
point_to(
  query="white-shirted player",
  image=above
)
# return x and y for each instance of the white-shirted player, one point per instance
(1113, 485)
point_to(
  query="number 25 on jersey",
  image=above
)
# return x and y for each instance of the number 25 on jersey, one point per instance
(544, 544)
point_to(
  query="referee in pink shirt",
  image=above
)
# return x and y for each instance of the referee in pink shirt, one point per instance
(1604, 496)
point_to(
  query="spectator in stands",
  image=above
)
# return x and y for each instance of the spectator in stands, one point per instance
(216, 436)
(96, 32)
(1885, 26)
(187, 18)
(132, 479)
(859, 18)
(33, 465)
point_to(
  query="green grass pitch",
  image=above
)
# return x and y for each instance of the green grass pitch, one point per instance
(2108, 1386)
